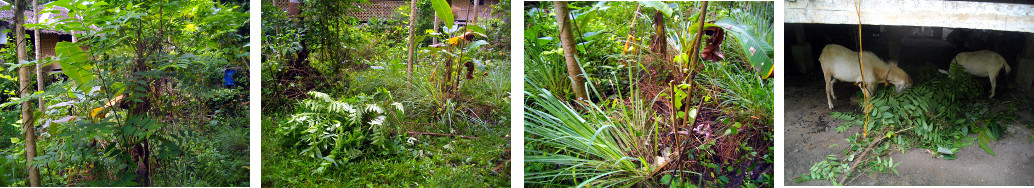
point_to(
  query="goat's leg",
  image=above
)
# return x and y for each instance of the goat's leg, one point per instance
(992, 75)
(829, 90)
(867, 89)
(831, 82)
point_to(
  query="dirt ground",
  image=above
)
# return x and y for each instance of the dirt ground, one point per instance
(810, 131)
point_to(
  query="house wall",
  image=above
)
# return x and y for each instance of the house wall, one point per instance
(283, 4)
(379, 9)
(47, 44)
(464, 9)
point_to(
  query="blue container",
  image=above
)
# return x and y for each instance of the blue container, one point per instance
(228, 77)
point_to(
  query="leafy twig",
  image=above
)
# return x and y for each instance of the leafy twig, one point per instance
(861, 157)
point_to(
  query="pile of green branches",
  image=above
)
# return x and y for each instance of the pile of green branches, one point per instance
(938, 113)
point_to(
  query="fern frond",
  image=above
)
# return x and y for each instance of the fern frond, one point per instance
(398, 106)
(344, 129)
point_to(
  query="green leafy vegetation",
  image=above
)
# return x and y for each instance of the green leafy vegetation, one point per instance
(658, 113)
(141, 98)
(939, 113)
(343, 129)
(342, 109)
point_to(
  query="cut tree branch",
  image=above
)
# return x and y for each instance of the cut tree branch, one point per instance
(861, 156)
(439, 134)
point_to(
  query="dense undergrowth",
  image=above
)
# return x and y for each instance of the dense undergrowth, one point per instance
(940, 113)
(359, 118)
(117, 116)
(398, 159)
(648, 122)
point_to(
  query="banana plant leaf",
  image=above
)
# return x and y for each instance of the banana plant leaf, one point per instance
(659, 6)
(758, 52)
(444, 11)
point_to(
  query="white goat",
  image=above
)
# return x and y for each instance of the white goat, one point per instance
(983, 64)
(840, 63)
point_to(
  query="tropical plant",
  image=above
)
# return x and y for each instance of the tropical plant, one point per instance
(340, 130)
(460, 52)
(749, 23)
(114, 120)
(657, 121)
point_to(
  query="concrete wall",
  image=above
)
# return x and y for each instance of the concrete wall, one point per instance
(952, 14)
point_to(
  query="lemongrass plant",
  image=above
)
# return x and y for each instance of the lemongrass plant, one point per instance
(594, 148)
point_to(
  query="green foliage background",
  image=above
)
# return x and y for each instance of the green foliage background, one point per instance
(197, 128)
(310, 147)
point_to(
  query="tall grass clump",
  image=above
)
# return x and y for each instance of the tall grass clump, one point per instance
(741, 88)
(496, 77)
(594, 148)
(549, 71)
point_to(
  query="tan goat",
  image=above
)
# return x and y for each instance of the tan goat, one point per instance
(840, 63)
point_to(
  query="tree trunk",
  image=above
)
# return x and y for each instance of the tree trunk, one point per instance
(39, 69)
(574, 70)
(475, 20)
(435, 39)
(659, 44)
(23, 88)
(447, 82)
(412, 44)
(302, 56)
(140, 152)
